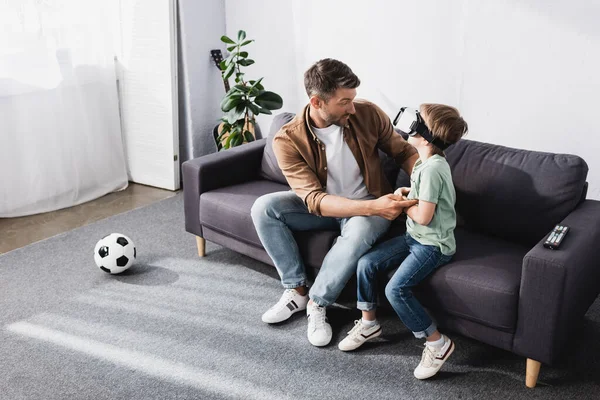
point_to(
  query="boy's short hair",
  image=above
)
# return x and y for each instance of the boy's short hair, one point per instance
(444, 122)
(325, 76)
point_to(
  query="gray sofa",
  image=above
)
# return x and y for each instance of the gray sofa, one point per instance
(502, 287)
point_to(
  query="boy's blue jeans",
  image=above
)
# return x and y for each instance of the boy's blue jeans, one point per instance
(277, 215)
(415, 262)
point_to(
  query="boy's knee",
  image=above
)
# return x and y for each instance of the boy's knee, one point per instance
(389, 291)
(365, 266)
(397, 290)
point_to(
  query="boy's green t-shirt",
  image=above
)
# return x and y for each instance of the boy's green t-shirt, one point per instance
(432, 181)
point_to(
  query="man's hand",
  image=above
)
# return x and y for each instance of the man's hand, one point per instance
(390, 206)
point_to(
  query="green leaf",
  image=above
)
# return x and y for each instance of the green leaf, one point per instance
(256, 84)
(235, 92)
(239, 140)
(230, 58)
(264, 111)
(223, 65)
(222, 134)
(245, 62)
(230, 102)
(241, 36)
(246, 42)
(253, 107)
(236, 114)
(248, 136)
(255, 87)
(231, 48)
(227, 143)
(239, 124)
(243, 54)
(229, 71)
(239, 76)
(269, 100)
(234, 139)
(225, 39)
(242, 88)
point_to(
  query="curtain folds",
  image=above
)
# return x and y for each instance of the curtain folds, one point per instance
(60, 132)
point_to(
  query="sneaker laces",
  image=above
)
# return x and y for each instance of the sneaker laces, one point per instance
(318, 317)
(428, 356)
(355, 331)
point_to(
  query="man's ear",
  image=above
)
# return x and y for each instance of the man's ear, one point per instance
(316, 101)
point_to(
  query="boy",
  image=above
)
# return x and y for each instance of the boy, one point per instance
(427, 244)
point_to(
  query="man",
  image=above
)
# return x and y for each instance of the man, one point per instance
(328, 154)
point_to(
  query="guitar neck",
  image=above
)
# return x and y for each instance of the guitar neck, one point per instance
(217, 57)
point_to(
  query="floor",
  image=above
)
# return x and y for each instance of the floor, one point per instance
(21, 231)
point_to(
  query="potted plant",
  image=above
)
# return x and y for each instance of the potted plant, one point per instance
(245, 100)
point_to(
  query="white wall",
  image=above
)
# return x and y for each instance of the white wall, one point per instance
(534, 85)
(201, 25)
(523, 73)
(269, 22)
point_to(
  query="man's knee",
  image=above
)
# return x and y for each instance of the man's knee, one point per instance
(263, 206)
(355, 242)
(366, 230)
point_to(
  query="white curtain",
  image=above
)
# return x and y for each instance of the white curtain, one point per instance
(60, 132)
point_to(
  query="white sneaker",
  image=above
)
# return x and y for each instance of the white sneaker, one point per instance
(358, 335)
(433, 359)
(319, 330)
(290, 302)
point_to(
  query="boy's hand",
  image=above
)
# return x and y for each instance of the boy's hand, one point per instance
(402, 191)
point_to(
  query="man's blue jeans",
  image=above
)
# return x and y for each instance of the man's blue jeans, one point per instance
(415, 262)
(277, 215)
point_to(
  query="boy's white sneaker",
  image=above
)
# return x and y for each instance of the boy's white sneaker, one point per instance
(433, 359)
(290, 302)
(319, 330)
(358, 335)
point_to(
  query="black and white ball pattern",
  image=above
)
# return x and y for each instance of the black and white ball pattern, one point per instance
(114, 253)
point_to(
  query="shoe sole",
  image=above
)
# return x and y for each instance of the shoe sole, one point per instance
(372, 336)
(317, 344)
(285, 319)
(450, 351)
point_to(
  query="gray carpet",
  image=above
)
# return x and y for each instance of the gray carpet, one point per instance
(178, 327)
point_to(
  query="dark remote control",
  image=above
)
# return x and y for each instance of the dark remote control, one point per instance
(556, 237)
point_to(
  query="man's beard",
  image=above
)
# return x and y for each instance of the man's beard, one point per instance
(339, 121)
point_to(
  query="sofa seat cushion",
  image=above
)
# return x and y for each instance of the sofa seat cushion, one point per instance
(481, 283)
(227, 211)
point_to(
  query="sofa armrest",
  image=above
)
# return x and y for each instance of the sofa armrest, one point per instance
(225, 168)
(558, 286)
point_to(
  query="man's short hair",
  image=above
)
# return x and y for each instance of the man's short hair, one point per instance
(325, 76)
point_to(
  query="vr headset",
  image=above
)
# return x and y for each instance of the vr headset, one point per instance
(410, 122)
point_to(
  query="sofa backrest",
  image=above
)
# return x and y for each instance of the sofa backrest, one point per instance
(517, 195)
(269, 169)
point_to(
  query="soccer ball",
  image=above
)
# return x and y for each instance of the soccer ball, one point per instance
(114, 253)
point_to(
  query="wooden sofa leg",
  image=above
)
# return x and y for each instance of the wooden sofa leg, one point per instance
(531, 372)
(201, 246)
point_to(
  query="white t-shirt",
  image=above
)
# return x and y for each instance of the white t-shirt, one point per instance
(343, 174)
